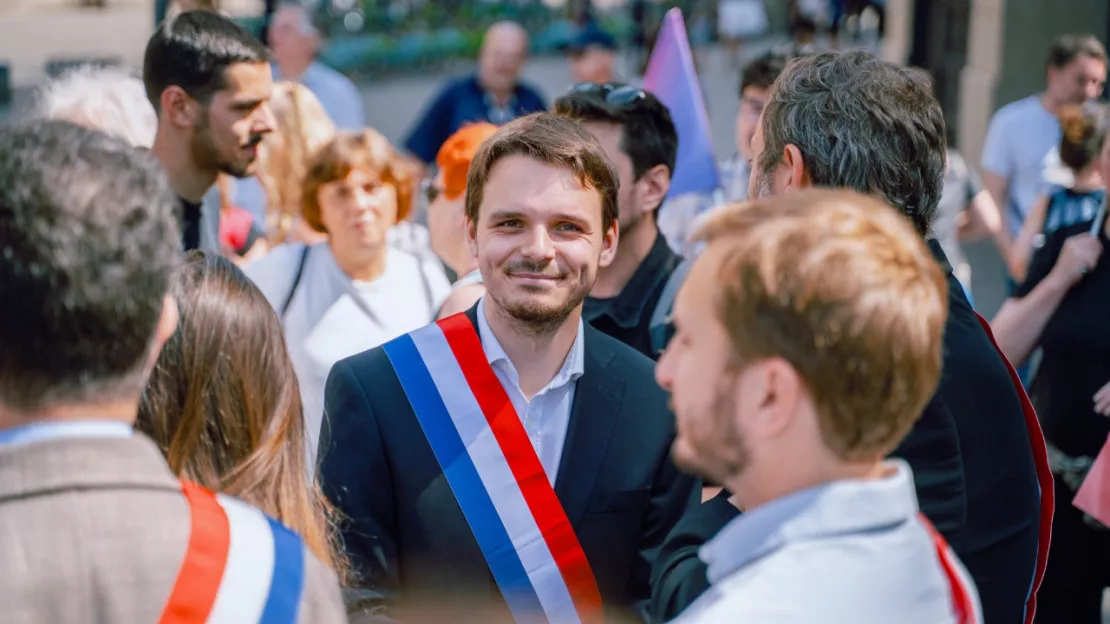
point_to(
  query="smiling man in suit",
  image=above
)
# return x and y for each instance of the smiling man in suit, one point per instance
(511, 455)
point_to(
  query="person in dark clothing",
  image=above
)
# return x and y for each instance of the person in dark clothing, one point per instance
(541, 212)
(973, 450)
(209, 82)
(639, 137)
(494, 94)
(1062, 308)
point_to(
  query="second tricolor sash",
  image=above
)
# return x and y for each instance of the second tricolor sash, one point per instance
(495, 474)
(240, 566)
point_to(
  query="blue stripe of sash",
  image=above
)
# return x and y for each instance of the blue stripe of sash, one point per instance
(462, 476)
(288, 581)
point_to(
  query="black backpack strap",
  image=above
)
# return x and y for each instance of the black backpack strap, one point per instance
(296, 282)
(660, 328)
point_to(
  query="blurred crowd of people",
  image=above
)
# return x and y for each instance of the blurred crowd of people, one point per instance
(257, 363)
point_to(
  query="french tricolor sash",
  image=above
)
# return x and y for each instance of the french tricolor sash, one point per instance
(964, 604)
(495, 474)
(240, 566)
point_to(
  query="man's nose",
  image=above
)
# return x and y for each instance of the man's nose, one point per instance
(264, 120)
(538, 245)
(663, 371)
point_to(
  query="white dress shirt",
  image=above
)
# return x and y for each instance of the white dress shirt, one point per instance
(848, 551)
(547, 415)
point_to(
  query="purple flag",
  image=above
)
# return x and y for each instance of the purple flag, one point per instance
(671, 77)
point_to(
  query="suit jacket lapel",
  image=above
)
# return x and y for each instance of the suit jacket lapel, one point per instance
(593, 417)
(472, 314)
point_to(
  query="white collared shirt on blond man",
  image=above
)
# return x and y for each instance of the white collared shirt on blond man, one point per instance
(547, 415)
(849, 551)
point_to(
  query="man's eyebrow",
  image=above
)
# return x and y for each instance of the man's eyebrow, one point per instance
(505, 214)
(566, 216)
(249, 102)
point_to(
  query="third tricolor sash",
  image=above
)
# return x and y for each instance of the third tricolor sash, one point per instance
(495, 474)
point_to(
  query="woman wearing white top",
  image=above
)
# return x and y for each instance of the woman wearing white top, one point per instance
(354, 291)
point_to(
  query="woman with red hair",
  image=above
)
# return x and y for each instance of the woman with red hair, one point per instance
(446, 215)
(354, 291)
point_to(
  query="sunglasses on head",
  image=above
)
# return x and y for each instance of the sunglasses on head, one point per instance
(612, 94)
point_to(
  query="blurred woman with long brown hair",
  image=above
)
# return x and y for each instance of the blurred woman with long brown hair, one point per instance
(303, 127)
(223, 402)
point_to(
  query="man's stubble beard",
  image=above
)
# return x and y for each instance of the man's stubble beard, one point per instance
(732, 456)
(538, 320)
(761, 183)
(206, 156)
(629, 225)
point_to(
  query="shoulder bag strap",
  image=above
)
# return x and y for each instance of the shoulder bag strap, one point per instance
(296, 282)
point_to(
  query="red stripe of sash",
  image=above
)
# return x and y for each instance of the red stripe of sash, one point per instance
(526, 467)
(962, 600)
(1044, 474)
(194, 592)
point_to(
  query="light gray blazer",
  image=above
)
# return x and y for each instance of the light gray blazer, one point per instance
(95, 530)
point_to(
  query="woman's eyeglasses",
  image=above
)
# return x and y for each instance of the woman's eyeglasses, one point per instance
(431, 191)
(612, 94)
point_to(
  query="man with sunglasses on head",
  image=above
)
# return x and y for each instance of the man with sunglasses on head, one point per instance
(638, 136)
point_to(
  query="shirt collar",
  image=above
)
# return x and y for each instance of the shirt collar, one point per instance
(627, 309)
(939, 255)
(573, 366)
(310, 73)
(55, 429)
(837, 508)
(493, 109)
(313, 74)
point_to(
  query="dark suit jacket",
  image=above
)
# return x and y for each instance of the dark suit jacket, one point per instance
(973, 469)
(405, 534)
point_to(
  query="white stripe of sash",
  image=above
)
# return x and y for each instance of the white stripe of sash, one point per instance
(245, 585)
(496, 476)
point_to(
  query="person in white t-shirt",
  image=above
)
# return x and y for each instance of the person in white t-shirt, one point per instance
(1020, 156)
(354, 291)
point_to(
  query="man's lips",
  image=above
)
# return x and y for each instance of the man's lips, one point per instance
(534, 276)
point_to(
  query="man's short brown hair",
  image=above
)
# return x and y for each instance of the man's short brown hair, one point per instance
(368, 151)
(839, 285)
(554, 140)
(1066, 48)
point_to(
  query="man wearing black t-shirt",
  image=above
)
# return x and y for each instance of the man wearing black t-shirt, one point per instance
(637, 133)
(210, 82)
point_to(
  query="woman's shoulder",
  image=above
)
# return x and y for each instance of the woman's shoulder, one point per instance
(409, 262)
(418, 270)
(273, 272)
(278, 258)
